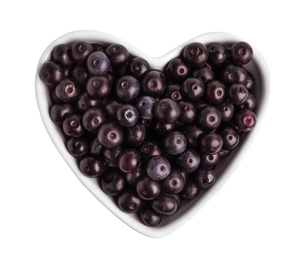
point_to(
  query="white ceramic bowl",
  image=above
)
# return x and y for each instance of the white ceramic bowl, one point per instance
(224, 170)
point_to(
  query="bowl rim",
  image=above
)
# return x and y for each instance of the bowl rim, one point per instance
(42, 98)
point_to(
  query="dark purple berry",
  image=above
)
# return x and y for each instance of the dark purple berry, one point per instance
(150, 218)
(98, 87)
(192, 134)
(204, 74)
(134, 176)
(230, 138)
(145, 106)
(195, 54)
(59, 112)
(188, 112)
(210, 160)
(249, 82)
(72, 126)
(85, 102)
(177, 69)
(127, 88)
(117, 54)
(173, 92)
(174, 182)
(93, 118)
(92, 167)
(237, 93)
(190, 191)
(192, 89)
(135, 135)
(211, 143)
(51, 73)
(241, 53)
(227, 110)
(189, 160)
(158, 168)
(67, 90)
(77, 146)
(165, 204)
(209, 117)
(95, 147)
(129, 160)
(245, 120)
(147, 188)
(137, 67)
(234, 74)
(204, 178)
(80, 51)
(112, 182)
(162, 128)
(150, 149)
(217, 54)
(129, 202)
(167, 111)
(215, 92)
(250, 103)
(98, 63)
(62, 55)
(111, 156)
(110, 135)
(127, 115)
(174, 143)
(79, 74)
(153, 83)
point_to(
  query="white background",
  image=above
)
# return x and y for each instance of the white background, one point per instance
(46, 213)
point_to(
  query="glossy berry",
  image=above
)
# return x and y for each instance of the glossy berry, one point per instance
(117, 54)
(98, 63)
(92, 167)
(129, 202)
(158, 168)
(95, 147)
(129, 160)
(62, 55)
(237, 93)
(111, 156)
(127, 88)
(167, 110)
(217, 54)
(145, 106)
(209, 117)
(147, 188)
(241, 53)
(134, 176)
(189, 160)
(162, 128)
(211, 143)
(174, 182)
(80, 51)
(210, 160)
(85, 102)
(195, 54)
(174, 143)
(59, 112)
(93, 118)
(190, 191)
(98, 87)
(67, 90)
(153, 83)
(192, 134)
(150, 218)
(250, 103)
(127, 115)
(245, 120)
(234, 74)
(227, 110)
(188, 112)
(149, 149)
(137, 67)
(230, 138)
(110, 135)
(72, 126)
(112, 182)
(193, 89)
(51, 73)
(135, 135)
(111, 107)
(204, 178)
(177, 69)
(249, 82)
(215, 92)
(77, 146)
(79, 74)
(204, 74)
(173, 91)
(165, 204)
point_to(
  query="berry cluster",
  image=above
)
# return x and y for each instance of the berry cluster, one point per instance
(151, 138)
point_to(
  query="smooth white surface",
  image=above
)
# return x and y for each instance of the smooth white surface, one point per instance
(46, 213)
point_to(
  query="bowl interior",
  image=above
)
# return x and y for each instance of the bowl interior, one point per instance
(257, 67)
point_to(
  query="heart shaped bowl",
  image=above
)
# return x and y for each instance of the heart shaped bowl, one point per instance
(257, 67)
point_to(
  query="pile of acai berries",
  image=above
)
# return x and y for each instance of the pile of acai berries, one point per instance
(151, 138)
